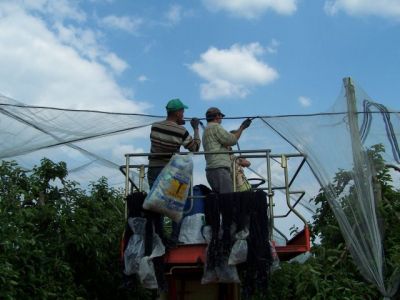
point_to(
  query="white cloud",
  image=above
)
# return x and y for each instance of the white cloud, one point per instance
(304, 101)
(62, 69)
(82, 40)
(251, 9)
(142, 78)
(273, 46)
(232, 72)
(129, 24)
(60, 9)
(174, 14)
(119, 151)
(85, 42)
(382, 8)
(117, 64)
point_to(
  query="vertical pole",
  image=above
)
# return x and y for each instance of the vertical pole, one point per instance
(360, 162)
(284, 165)
(126, 184)
(141, 178)
(233, 168)
(352, 116)
(270, 196)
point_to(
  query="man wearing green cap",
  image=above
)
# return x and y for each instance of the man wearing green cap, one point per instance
(167, 137)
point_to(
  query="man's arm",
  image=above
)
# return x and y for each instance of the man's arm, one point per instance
(193, 144)
(244, 162)
(246, 123)
(224, 137)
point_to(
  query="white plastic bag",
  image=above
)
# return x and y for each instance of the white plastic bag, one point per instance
(171, 188)
(190, 232)
(226, 273)
(222, 273)
(135, 248)
(275, 258)
(209, 275)
(239, 249)
(146, 272)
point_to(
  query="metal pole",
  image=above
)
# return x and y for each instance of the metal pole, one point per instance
(287, 193)
(126, 185)
(233, 166)
(141, 178)
(270, 196)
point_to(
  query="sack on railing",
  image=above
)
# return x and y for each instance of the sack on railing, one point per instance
(239, 250)
(190, 232)
(275, 258)
(171, 188)
(146, 272)
(135, 249)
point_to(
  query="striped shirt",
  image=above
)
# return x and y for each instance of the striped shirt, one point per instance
(216, 139)
(167, 137)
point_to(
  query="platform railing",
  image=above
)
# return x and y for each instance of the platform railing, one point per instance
(261, 153)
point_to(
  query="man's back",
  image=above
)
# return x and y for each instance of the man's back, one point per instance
(216, 139)
(167, 137)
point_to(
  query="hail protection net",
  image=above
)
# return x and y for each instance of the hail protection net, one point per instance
(81, 137)
(337, 145)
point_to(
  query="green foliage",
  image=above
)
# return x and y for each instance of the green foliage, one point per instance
(56, 240)
(330, 273)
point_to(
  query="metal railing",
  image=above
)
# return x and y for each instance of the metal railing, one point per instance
(257, 154)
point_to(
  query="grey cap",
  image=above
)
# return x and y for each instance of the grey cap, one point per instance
(212, 112)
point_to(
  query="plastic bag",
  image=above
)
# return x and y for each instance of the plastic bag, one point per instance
(206, 233)
(146, 272)
(135, 248)
(239, 249)
(222, 273)
(209, 275)
(275, 258)
(226, 273)
(191, 229)
(171, 188)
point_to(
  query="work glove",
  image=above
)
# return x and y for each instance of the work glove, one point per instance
(246, 123)
(195, 123)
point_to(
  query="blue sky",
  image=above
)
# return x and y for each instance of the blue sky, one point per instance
(250, 57)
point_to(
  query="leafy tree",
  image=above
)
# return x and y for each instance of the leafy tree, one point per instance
(330, 272)
(56, 240)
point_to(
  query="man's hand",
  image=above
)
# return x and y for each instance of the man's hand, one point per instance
(246, 123)
(195, 123)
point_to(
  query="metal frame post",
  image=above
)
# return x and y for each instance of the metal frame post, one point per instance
(127, 157)
(270, 195)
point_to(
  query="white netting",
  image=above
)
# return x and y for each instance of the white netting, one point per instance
(26, 129)
(337, 142)
(333, 142)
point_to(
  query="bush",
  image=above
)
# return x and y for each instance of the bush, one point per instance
(330, 273)
(56, 240)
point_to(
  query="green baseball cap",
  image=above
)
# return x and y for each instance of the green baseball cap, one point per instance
(174, 105)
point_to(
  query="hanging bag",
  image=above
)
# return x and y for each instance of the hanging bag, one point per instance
(171, 188)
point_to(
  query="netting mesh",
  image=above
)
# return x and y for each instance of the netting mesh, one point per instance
(336, 143)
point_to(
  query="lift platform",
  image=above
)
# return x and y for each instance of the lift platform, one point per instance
(297, 245)
(184, 264)
(194, 255)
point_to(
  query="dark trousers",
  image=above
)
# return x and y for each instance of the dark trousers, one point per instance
(220, 180)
